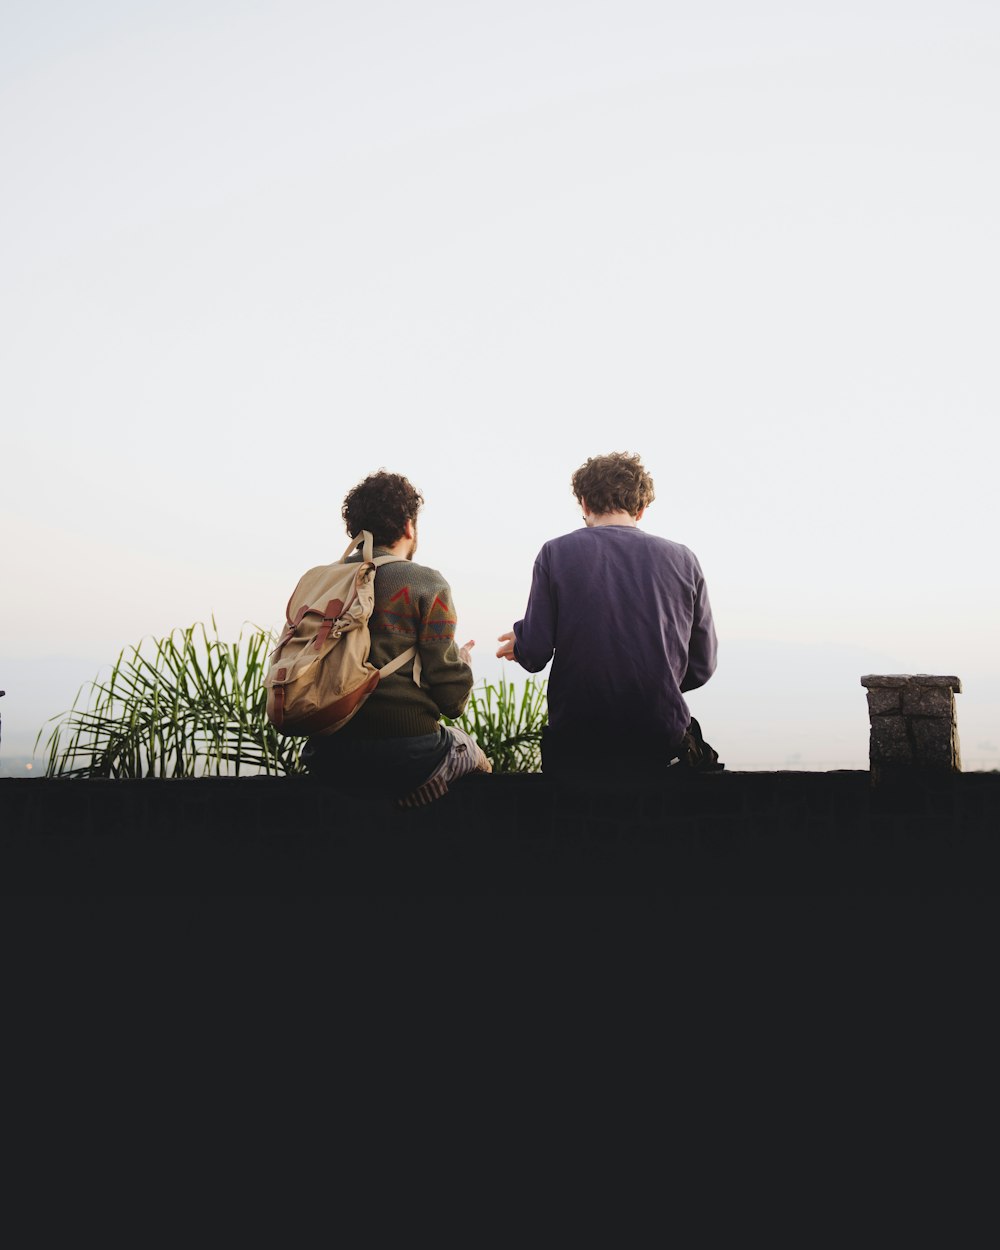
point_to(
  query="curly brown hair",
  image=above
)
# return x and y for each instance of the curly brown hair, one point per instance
(616, 482)
(382, 503)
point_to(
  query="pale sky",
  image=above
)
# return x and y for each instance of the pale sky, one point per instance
(253, 251)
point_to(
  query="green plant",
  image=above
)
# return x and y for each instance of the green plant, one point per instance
(186, 705)
(506, 725)
(192, 705)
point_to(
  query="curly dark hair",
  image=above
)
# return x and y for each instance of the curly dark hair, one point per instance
(616, 482)
(382, 503)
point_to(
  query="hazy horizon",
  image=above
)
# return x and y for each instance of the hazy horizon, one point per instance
(812, 717)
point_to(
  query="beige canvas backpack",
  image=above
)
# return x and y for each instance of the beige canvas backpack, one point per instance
(320, 674)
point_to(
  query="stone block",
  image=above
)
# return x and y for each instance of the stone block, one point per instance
(926, 679)
(928, 701)
(890, 742)
(896, 681)
(883, 699)
(935, 742)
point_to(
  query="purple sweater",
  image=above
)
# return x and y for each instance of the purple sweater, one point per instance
(627, 616)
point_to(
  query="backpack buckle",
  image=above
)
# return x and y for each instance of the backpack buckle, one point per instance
(333, 612)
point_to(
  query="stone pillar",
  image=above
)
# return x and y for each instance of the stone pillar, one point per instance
(913, 726)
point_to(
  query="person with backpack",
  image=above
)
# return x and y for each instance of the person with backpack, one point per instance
(626, 616)
(378, 732)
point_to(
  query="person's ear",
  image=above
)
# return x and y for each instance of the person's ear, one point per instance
(408, 530)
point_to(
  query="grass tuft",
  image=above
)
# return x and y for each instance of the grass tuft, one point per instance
(193, 705)
(188, 705)
(507, 726)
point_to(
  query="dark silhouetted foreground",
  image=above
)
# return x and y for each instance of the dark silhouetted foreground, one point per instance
(717, 835)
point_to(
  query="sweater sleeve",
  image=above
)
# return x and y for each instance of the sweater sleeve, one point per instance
(535, 635)
(445, 676)
(703, 648)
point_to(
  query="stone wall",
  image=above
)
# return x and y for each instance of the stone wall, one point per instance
(914, 826)
(721, 835)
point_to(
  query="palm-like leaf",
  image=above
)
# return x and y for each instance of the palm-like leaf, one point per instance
(506, 726)
(192, 705)
(186, 705)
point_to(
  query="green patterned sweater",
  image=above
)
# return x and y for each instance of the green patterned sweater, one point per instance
(413, 605)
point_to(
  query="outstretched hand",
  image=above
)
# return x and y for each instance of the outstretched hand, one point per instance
(465, 653)
(506, 650)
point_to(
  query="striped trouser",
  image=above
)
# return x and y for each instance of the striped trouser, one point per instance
(464, 756)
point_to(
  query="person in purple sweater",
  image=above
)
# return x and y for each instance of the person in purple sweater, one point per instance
(625, 618)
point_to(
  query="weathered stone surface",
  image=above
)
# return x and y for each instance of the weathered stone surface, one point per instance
(882, 700)
(890, 742)
(928, 701)
(912, 722)
(936, 745)
(891, 681)
(928, 679)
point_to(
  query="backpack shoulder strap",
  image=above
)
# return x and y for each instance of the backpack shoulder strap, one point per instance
(365, 541)
(411, 653)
